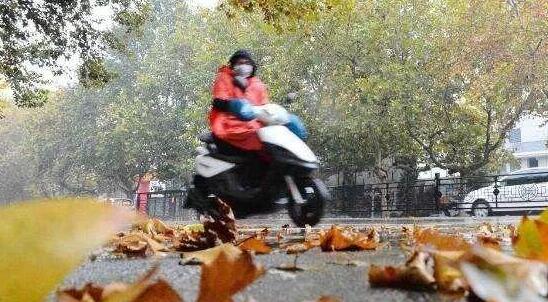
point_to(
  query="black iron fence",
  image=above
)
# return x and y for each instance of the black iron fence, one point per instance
(478, 196)
(164, 204)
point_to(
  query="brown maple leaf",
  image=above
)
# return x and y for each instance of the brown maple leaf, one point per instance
(227, 275)
(417, 273)
(337, 239)
(209, 255)
(449, 278)
(440, 241)
(144, 290)
(138, 245)
(189, 241)
(154, 227)
(256, 245)
(495, 276)
(489, 241)
(531, 240)
(220, 227)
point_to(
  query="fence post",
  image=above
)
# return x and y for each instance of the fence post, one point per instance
(496, 191)
(437, 193)
(406, 196)
(387, 198)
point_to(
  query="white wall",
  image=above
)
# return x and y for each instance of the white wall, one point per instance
(531, 129)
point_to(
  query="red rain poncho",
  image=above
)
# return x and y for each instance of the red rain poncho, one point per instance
(225, 125)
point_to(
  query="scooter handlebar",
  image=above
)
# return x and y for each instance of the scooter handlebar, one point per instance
(271, 114)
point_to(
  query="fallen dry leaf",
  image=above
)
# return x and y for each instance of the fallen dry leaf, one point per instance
(159, 291)
(494, 276)
(328, 299)
(531, 241)
(337, 239)
(417, 273)
(298, 248)
(222, 227)
(253, 244)
(440, 241)
(89, 292)
(52, 237)
(226, 275)
(486, 228)
(449, 278)
(154, 227)
(489, 241)
(209, 255)
(144, 290)
(188, 241)
(311, 238)
(138, 245)
(161, 228)
(214, 230)
(195, 227)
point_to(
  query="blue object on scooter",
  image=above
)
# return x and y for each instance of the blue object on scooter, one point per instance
(242, 109)
(297, 126)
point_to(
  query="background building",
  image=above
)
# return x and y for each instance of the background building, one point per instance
(528, 143)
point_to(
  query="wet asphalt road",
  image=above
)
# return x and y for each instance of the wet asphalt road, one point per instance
(339, 274)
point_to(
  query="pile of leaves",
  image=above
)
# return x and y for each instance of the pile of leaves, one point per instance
(225, 271)
(153, 237)
(449, 264)
(80, 225)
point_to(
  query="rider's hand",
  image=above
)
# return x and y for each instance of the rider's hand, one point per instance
(297, 126)
(242, 109)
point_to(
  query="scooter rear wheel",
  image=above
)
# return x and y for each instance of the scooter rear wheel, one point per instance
(315, 193)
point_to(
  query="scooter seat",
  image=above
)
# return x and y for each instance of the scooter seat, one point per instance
(229, 158)
(223, 151)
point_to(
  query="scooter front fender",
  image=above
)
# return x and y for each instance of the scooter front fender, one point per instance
(282, 137)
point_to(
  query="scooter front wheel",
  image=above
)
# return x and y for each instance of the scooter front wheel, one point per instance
(315, 195)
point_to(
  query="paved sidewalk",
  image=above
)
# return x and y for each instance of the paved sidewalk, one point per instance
(324, 273)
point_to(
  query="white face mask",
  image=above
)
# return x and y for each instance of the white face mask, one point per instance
(243, 70)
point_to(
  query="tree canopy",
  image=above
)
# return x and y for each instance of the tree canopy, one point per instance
(380, 84)
(38, 37)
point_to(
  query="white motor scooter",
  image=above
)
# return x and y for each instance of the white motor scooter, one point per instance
(252, 185)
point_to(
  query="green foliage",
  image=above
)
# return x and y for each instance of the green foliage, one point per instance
(393, 78)
(16, 167)
(93, 73)
(40, 34)
(437, 83)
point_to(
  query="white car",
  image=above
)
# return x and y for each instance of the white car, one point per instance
(520, 191)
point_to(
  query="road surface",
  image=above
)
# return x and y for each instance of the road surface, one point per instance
(339, 274)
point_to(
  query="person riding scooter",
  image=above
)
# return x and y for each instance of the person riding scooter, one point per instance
(256, 158)
(232, 118)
